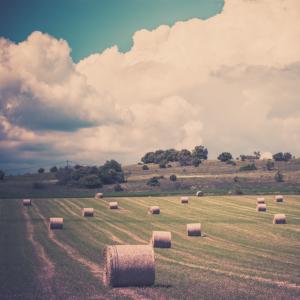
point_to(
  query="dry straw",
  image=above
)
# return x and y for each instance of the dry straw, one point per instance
(193, 229)
(260, 200)
(87, 212)
(279, 198)
(279, 219)
(56, 223)
(154, 210)
(161, 239)
(26, 202)
(113, 205)
(184, 200)
(199, 194)
(129, 265)
(98, 196)
(261, 207)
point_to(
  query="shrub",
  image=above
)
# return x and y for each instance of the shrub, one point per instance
(2, 175)
(41, 170)
(53, 169)
(145, 167)
(38, 185)
(249, 167)
(173, 177)
(153, 181)
(231, 162)
(196, 162)
(91, 181)
(118, 188)
(279, 177)
(224, 156)
(270, 165)
(236, 179)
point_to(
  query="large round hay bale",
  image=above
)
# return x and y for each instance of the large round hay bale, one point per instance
(184, 200)
(161, 239)
(113, 205)
(27, 202)
(261, 207)
(199, 194)
(154, 210)
(99, 195)
(88, 212)
(279, 219)
(193, 229)
(279, 198)
(260, 200)
(129, 265)
(56, 223)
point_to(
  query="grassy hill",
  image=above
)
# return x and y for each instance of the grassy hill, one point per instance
(242, 255)
(213, 177)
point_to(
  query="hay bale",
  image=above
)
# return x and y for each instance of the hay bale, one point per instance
(279, 198)
(193, 229)
(128, 265)
(199, 194)
(27, 202)
(279, 219)
(99, 195)
(56, 223)
(113, 205)
(154, 210)
(88, 212)
(184, 200)
(261, 207)
(161, 239)
(260, 200)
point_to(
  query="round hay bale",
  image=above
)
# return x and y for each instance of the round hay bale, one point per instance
(279, 219)
(199, 194)
(128, 265)
(261, 207)
(27, 202)
(56, 223)
(184, 200)
(88, 212)
(193, 229)
(161, 239)
(113, 205)
(99, 195)
(154, 210)
(279, 198)
(260, 200)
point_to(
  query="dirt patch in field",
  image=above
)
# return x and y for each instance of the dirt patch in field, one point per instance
(48, 268)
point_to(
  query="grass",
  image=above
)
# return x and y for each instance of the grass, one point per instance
(242, 256)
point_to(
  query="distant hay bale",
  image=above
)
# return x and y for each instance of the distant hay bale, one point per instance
(260, 200)
(199, 194)
(161, 239)
(279, 198)
(56, 223)
(113, 205)
(99, 195)
(261, 207)
(193, 229)
(128, 265)
(279, 219)
(88, 212)
(154, 210)
(27, 202)
(184, 200)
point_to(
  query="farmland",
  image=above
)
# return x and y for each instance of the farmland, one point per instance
(242, 255)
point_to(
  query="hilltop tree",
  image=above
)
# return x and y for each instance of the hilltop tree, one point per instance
(184, 157)
(280, 156)
(2, 175)
(41, 170)
(225, 156)
(200, 152)
(53, 169)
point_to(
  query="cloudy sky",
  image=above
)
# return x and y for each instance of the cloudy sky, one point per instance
(99, 80)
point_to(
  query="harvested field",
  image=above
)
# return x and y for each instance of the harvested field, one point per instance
(235, 259)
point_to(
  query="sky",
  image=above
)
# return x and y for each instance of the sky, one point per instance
(92, 80)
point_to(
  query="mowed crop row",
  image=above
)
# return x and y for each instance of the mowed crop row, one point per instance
(241, 255)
